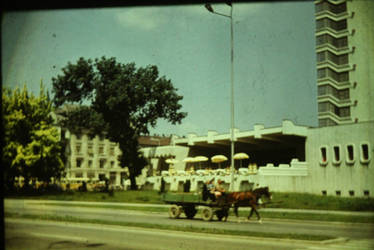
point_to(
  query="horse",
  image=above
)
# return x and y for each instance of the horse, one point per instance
(248, 199)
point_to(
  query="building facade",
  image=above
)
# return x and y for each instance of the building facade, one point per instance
(333, 160)
(92, 159)
(345, 51)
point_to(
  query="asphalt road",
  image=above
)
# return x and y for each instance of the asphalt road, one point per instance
(115, 237)
(26, 234)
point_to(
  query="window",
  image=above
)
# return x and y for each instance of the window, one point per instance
(111, 151)
(78, 148)
(89, 163)
(321, 56)
(327, 72)
(101, 149)
(102, 177)
(351, 193)
(326, 122)
(323, 155)
(322, 107)
(366, 193)
(344, 112)
(78, 175)
(331, 7)
(364, 152)
(336, 159)
(90, 149)
(350, 154)
(321, 73)
(102, 163)
(343, 94)
(338, 193)
(324, 192)
(328, 23)
(79, 162)
(111, 164)
(336, 42)
(91, 175)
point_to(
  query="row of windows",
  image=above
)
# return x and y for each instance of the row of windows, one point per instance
(327, 72)
(90, 149)
(90, 137)
(350, 156)
(336, 42)
(325, 56)
(350, 192)
(326, 122)
(334, 8)
(329, 107)
(328, 23)
(102, 163)
(91, 175)
(341, 94)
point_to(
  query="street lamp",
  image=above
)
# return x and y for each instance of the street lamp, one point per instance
(210, 9)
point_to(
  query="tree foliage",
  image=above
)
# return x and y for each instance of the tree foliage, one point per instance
(124, 102)
(31, 143)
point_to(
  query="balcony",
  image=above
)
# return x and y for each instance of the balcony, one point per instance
(332, 116)
(329, 42)
(332, 9)
(334, 100)
(329, 26)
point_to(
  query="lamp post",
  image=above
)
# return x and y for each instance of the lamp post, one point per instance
(211, 10)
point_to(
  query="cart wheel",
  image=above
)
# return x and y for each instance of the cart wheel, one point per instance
(207, 213)
(174, 211)
(190, 211)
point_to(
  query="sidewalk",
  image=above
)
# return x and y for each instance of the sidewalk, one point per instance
(276, 210)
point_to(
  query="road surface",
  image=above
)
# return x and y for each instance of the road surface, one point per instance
(56, 234)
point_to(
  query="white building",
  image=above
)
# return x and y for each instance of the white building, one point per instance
(92, 159)
(345, 52)
(334, 160)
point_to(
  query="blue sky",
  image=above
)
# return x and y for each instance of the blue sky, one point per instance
(274, 65)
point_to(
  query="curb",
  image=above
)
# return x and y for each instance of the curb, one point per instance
(337, 240)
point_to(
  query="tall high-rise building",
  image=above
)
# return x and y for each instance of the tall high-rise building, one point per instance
(345, 57)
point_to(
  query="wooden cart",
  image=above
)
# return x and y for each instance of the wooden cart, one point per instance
(188, 203)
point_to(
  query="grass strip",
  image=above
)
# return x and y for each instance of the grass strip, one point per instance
(264, 214)
(280, 200)
(173, 227)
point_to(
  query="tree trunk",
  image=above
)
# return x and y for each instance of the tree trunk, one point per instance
(133, 182)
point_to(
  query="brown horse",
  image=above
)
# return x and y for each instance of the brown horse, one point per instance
(248, 199)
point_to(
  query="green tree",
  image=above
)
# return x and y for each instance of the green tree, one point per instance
(31, 143)
(124, 102)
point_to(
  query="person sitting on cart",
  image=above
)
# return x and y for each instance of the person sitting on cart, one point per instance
(219, 190)
(211, 189)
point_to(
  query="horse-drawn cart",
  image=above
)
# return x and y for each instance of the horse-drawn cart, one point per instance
(189, 202)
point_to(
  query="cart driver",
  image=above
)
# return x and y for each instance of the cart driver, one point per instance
(210, 185)
(218, 189)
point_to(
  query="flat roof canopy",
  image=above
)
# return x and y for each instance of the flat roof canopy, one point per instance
(265, 145)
